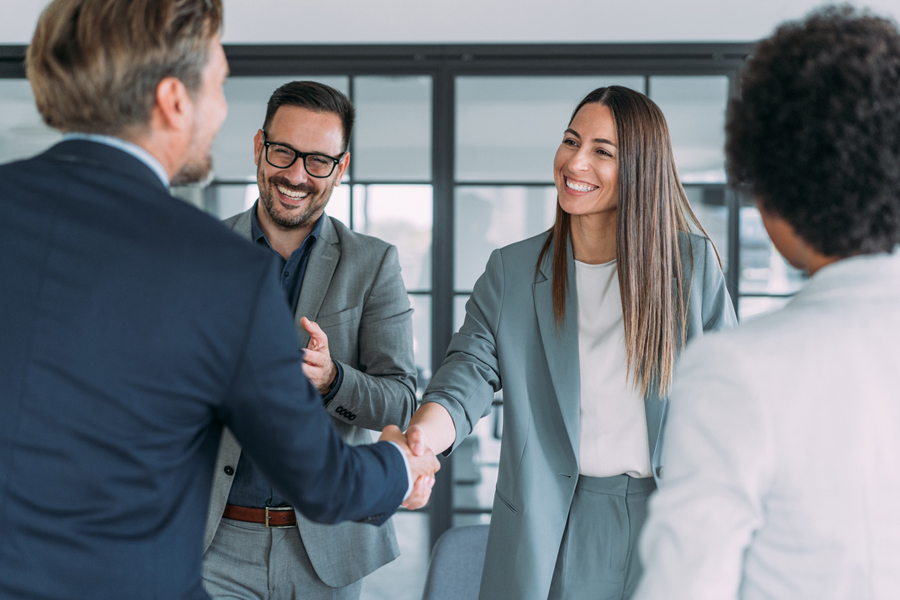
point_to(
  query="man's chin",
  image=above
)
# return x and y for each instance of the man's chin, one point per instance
(195, 174)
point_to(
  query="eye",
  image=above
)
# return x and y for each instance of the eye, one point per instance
(319, 161)
(281, 151)
(569, 142)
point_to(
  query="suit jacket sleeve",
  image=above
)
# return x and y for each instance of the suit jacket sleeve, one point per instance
(719, 460)
(382, 391)
(277, 416)
(470, 374)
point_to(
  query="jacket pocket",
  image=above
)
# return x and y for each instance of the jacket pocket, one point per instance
(345, 316)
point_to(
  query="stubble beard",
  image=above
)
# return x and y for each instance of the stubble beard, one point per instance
(307, 211)
(197, 170)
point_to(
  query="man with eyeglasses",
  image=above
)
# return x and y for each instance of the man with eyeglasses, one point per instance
(353, 315)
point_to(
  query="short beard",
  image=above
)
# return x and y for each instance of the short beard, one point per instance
(194, 172)
(296, 221)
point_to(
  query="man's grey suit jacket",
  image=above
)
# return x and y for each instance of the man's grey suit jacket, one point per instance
(354, 291)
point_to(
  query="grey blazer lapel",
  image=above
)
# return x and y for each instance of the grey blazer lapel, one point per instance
(323, 260)
(242, 224)
(561, 347)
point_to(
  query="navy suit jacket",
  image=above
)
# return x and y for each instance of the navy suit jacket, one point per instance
(132, 328)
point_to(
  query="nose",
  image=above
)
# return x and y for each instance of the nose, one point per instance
(296, 173)
(579, 160)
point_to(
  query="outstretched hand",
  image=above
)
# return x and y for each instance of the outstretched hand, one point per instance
(317, 363)
(422, 463)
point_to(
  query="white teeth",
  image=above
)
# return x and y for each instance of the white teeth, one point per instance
(579, 187)
(291, 194)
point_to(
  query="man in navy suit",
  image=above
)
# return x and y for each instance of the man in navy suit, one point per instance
(134, 327)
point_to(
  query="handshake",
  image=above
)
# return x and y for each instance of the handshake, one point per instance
(422, 462)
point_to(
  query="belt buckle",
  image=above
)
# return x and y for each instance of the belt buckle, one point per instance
(280, 509)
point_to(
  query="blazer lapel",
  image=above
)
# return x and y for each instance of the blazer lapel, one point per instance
(323, 261)
(243, 226)
(561, 346)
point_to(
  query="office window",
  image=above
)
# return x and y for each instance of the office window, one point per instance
(22, 130)
(694, 108)
(392, 141)
(401, 215)
(487, 218)
(508, 128)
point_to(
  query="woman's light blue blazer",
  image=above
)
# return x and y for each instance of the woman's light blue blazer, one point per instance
(509, 340)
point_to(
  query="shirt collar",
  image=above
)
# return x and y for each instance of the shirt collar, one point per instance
(257, 233)
(132, 149)
(868, 275)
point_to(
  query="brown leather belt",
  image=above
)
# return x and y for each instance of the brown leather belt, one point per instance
(272, 516)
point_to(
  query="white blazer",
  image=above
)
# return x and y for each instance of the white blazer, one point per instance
(782, 451)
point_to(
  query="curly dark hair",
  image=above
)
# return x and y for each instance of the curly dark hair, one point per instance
(815, 134)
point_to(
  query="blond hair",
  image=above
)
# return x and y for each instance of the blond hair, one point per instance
(95, 65)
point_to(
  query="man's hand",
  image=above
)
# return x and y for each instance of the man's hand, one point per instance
(317, 363)
(423, 466)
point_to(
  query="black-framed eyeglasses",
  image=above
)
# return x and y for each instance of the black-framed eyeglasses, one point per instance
(282, 157)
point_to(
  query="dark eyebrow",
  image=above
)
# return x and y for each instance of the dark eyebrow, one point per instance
(596, 140)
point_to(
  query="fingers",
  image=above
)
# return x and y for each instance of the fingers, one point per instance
(424, 466)
(417, 440)
(317, 338)
(420, 494)
(315, 358)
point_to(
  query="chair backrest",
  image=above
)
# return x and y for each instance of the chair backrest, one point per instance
(457, 560)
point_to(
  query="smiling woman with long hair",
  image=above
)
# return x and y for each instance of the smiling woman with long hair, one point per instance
(580, 326)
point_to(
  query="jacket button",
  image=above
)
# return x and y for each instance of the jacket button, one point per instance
(659, 472)
(229, 471)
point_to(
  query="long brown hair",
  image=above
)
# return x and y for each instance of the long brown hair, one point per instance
(652, 210)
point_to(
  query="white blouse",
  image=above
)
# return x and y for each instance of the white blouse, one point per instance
(613, 431)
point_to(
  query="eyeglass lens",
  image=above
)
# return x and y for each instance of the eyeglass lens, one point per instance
(283, 157)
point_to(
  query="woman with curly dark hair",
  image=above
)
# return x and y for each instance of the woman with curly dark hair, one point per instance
(783, 442)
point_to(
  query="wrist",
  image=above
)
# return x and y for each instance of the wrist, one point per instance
(334, 379)
(329, 392)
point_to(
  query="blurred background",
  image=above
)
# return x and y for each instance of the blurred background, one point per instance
(460, 108)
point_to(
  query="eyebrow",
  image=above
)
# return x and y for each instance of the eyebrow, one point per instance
(596, 140)
(295, 150)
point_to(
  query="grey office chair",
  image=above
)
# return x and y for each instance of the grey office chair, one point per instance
(457, 560)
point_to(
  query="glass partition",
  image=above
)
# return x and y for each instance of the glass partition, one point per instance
(22, 130)
(401, 215)
(694, 108)
(508, 128)
(487, 218)
(392, 141)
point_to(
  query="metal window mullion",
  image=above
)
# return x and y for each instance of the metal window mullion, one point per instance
(351, 148)
(442, 157)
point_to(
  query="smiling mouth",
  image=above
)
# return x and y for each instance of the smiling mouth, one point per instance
(579, 187)
(295, 196)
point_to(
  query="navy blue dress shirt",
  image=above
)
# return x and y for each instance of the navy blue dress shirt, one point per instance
(250, 487)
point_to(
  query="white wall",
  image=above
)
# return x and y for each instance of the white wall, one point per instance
(448, 21)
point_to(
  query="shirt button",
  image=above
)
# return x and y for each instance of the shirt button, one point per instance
(229, 471)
